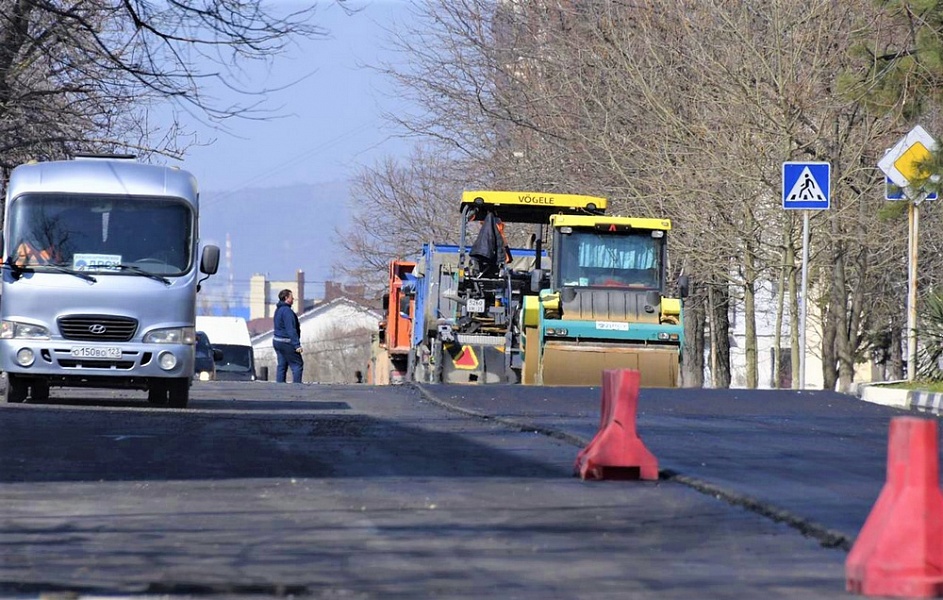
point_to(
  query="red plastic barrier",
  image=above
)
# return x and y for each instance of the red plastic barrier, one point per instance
(616, 451)
(899, 551)
(605, 416)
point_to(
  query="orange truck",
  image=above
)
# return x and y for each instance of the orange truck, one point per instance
(391, 354)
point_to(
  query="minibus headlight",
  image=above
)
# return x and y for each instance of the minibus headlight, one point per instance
(172, 335)
(14, 329)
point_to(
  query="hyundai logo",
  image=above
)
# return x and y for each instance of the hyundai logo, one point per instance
(97, 329)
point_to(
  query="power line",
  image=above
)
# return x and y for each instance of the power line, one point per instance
(265, 175)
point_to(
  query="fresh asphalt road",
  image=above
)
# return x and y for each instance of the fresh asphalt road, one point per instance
(814, 457)
(265, 490)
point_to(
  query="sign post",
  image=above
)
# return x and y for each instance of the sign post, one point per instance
(806, 186)
(902, 166)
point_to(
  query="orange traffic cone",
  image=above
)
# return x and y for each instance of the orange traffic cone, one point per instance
(616, 451)
(899, 551)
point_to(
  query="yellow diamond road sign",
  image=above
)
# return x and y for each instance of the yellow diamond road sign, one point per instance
(901, 163)
(908, 163)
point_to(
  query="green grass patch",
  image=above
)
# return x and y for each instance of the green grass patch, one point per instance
(922, 386)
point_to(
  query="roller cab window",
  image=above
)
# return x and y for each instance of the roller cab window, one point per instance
(588, 258)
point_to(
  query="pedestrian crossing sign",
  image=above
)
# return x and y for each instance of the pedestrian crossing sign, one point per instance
(806, 185)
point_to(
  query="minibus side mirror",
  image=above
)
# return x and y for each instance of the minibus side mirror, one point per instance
(209, 262)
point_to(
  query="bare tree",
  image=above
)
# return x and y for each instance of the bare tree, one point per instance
(338, 354)
(687, 109)
(396, 209)
(693, 106)
(83, 74)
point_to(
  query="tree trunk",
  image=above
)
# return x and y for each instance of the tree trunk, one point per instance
(830, 331)
(778, 331)
(794, 324)
(785, 275)
(837, 345)
(692, 364)
(895, 364)
(749, 318)
(750, 342)
(720, 335)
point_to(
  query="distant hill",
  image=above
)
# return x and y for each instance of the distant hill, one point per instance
(275, 231)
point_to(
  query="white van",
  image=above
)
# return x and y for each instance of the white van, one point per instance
(231, 336)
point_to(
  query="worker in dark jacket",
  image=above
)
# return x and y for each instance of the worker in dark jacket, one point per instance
(286, 338)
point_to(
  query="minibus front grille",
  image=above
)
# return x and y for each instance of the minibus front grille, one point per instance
(121, 365)
(97, 328)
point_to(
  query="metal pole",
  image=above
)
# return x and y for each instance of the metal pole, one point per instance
(803, 293)
(913, 214)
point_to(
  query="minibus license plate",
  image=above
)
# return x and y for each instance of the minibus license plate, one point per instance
(96, 352)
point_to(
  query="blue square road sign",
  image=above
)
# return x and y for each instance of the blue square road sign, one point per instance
(894, 192)
(806, 185)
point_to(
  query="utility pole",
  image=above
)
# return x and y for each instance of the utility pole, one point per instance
(913, 222)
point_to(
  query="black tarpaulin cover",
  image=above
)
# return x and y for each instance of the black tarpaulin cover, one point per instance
(489, 248)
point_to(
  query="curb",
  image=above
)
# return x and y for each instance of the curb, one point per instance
(900, 398)
(877, 394)
(927, 401)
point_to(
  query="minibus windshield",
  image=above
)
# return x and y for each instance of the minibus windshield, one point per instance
(123, 235)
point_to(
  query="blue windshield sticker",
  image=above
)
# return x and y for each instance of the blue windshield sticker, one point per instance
(96, 262)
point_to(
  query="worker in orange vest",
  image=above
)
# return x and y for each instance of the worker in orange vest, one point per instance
(27, 254)
(507, 247)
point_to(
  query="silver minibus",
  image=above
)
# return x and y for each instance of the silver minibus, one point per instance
(101, 269)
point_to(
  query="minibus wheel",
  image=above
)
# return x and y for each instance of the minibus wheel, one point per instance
(39, 391)
(157, 392)
(17, 389)
(178, 392)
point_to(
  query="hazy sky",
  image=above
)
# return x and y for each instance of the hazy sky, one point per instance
(332, 124)
(331, 119)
